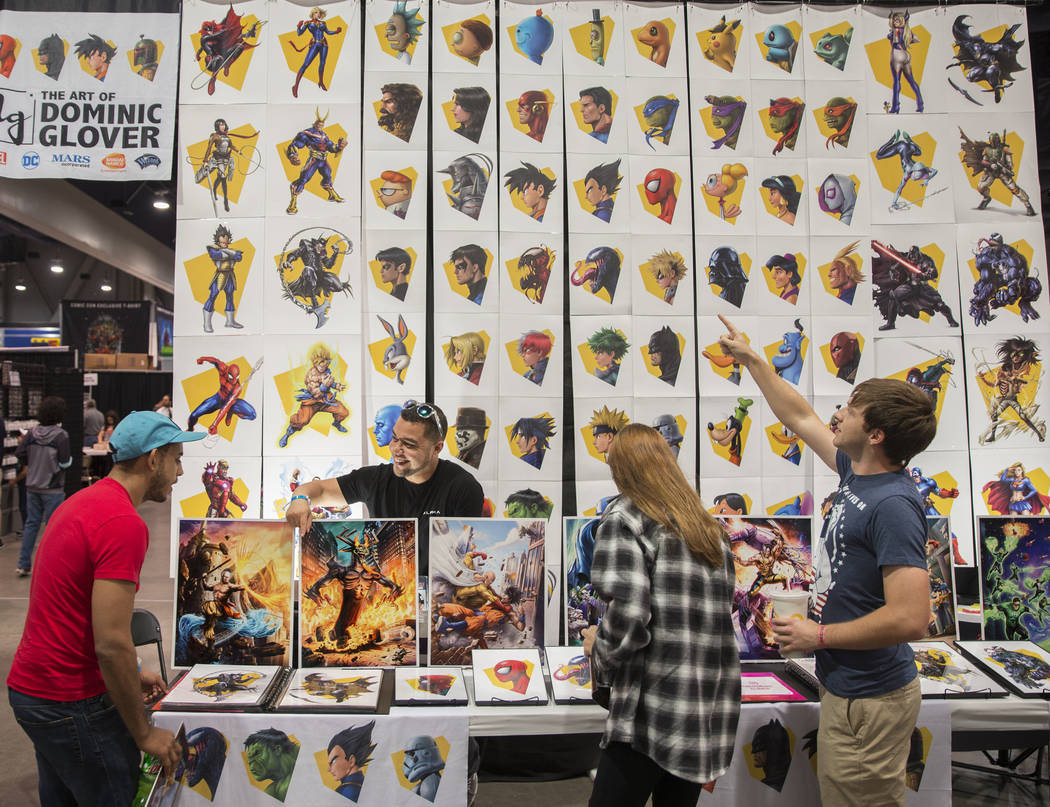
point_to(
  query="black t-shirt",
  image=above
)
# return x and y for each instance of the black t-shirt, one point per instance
(451, 491)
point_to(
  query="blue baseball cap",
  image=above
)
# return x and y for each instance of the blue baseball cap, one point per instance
(141, 432)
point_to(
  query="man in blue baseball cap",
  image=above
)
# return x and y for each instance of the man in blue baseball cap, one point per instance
(76, 660)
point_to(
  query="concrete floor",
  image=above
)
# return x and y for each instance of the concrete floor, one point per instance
(18, 771)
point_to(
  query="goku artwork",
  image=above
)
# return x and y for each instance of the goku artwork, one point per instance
(319, 393)
(358, 603)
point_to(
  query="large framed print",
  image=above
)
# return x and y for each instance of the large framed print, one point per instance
(944, 673)
(1014, 556)
(1023, 666)
(582, 606)
(942, 579)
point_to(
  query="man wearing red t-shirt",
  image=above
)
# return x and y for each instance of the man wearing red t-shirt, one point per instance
(74, 686)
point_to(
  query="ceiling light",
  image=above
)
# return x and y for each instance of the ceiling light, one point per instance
(161, 203)
(20, 285)
(105, 286)
(56, 267)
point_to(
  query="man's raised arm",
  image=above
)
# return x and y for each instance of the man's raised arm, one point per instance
(318, 493)
(787, 404)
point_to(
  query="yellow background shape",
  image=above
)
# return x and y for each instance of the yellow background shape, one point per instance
(290, 381)
(83, 60)
(943, 506)
(203, 385)
(1021, 246)
(294, 60)
(515, 274)
(922, 366)
(711, 202)
(654, 210)
(449, 31)
(201, 269)
(644, 349)
(645, 50)
(879, 58)
(587, 356)
(246, 143)
(704, 38)
(1026, 397)
(763, 115)
(715, 349)
(648, 278)
(461, 288)
(824, 268)
(197, 506)
(514, 450)
(321, 760)
(239, 66)
(889, 170)
(714, 132)
(264, 783)
(398, 758)
(777, 447)
(825, 352)
(516, 199)
(770, 350)
(767, 275)
(486, 340)
(295, 271)
(1037, 476)
(745, 264)
(516, 363)
(766, 192)
(771, 509)
(377, 349)
(603, 292)
(384, 45)
(581, 37)
(825, 130)
(998, 189)
(577, 115)
(796, 32)
(374, 266)
(581, 199)
(856, 189)
(512, 112)
(745, 496)
(376, 183)
(745, 433)
(131, 58)
(491, 673)
(291, 172)
(641, 118)
(36, 61)
(514, 40)
(450, 441)
(380, 451)
(839, 28)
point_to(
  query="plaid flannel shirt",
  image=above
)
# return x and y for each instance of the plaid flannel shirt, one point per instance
(665, 646)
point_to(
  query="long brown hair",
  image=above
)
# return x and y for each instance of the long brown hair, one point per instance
(646, 472)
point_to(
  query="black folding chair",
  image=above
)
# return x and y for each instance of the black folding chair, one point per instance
(145, 629)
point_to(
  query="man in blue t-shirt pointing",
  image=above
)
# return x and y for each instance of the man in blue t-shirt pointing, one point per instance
(872, 592)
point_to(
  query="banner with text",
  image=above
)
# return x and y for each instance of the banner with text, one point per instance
(96, 326)
(87, 95)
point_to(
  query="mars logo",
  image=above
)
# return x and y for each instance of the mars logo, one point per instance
(114, 162)
(72, 160)
(147, 160)
(30, 160)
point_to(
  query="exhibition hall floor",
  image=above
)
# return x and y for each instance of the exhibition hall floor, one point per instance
(18, 772)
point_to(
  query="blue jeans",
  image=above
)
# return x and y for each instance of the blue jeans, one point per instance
(85, 756)
(39, 507)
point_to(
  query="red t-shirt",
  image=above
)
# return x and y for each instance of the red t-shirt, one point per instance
(96, 534)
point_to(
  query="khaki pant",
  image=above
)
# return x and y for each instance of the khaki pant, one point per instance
(862, 747)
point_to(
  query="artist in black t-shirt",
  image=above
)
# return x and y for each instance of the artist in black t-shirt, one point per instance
(415, 484)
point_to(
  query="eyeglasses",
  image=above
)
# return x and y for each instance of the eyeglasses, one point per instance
(425, 411)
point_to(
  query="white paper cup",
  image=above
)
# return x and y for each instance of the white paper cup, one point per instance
(790, 605)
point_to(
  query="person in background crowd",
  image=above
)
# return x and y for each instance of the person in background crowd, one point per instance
(872, 591)
(163, 406)
(665, 648)
(94, 422)
(107, 430)
(45, 452)
(73, 686)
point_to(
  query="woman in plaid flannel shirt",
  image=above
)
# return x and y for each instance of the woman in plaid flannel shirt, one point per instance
(665, 647)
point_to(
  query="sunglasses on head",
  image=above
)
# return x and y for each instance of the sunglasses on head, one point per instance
(424, 410)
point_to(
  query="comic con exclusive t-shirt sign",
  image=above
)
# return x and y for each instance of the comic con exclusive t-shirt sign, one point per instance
(875, 521)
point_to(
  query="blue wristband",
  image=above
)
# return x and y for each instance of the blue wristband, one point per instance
(300, 496)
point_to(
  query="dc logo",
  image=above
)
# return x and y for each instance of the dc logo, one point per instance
(30, 160)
